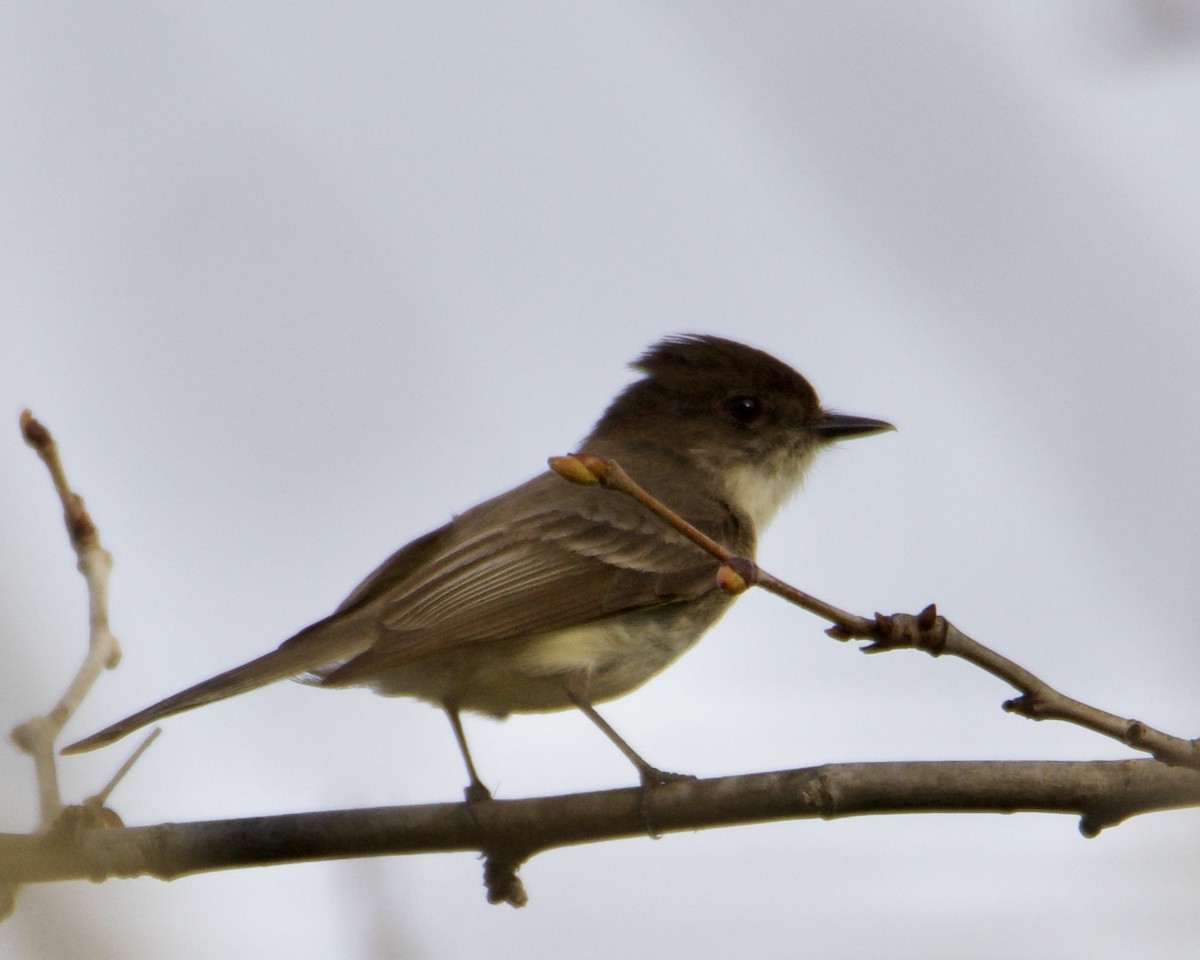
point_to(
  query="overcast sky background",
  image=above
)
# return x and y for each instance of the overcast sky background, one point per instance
(293, 282)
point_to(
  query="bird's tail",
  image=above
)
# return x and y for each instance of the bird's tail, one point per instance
(315, 646)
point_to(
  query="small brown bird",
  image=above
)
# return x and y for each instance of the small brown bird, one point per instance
(554, 595)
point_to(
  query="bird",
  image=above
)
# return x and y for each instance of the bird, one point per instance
(554, 596)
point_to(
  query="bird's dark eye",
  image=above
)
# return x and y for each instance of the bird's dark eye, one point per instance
(744, 409)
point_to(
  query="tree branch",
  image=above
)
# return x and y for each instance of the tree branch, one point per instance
(509, 832)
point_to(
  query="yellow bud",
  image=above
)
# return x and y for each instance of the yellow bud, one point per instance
(730, 581)
(572, 468)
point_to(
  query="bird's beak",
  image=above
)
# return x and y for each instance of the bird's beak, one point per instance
(842, 426)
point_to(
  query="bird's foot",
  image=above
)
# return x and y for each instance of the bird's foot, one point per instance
(653, 780)
(476, 792)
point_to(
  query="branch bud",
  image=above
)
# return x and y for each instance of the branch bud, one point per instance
(730, 581)
(737, 575)
(586, 469)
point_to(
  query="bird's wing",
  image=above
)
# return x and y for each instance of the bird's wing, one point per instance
(557, 561)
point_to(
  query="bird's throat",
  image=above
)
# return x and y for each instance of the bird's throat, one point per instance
(761, 489)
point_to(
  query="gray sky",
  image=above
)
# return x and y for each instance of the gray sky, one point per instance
(294, 282)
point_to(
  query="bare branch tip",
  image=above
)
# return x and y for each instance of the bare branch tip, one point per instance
(35, 434)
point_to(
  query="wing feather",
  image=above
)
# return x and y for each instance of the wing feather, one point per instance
(563, 560)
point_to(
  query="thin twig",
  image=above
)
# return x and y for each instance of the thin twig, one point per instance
(36, 736)
(101, 798)
(1038, 700)
(924, 631)
(590, 469)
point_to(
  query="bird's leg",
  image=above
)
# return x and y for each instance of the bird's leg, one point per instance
(576, 686)
(475, 789)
